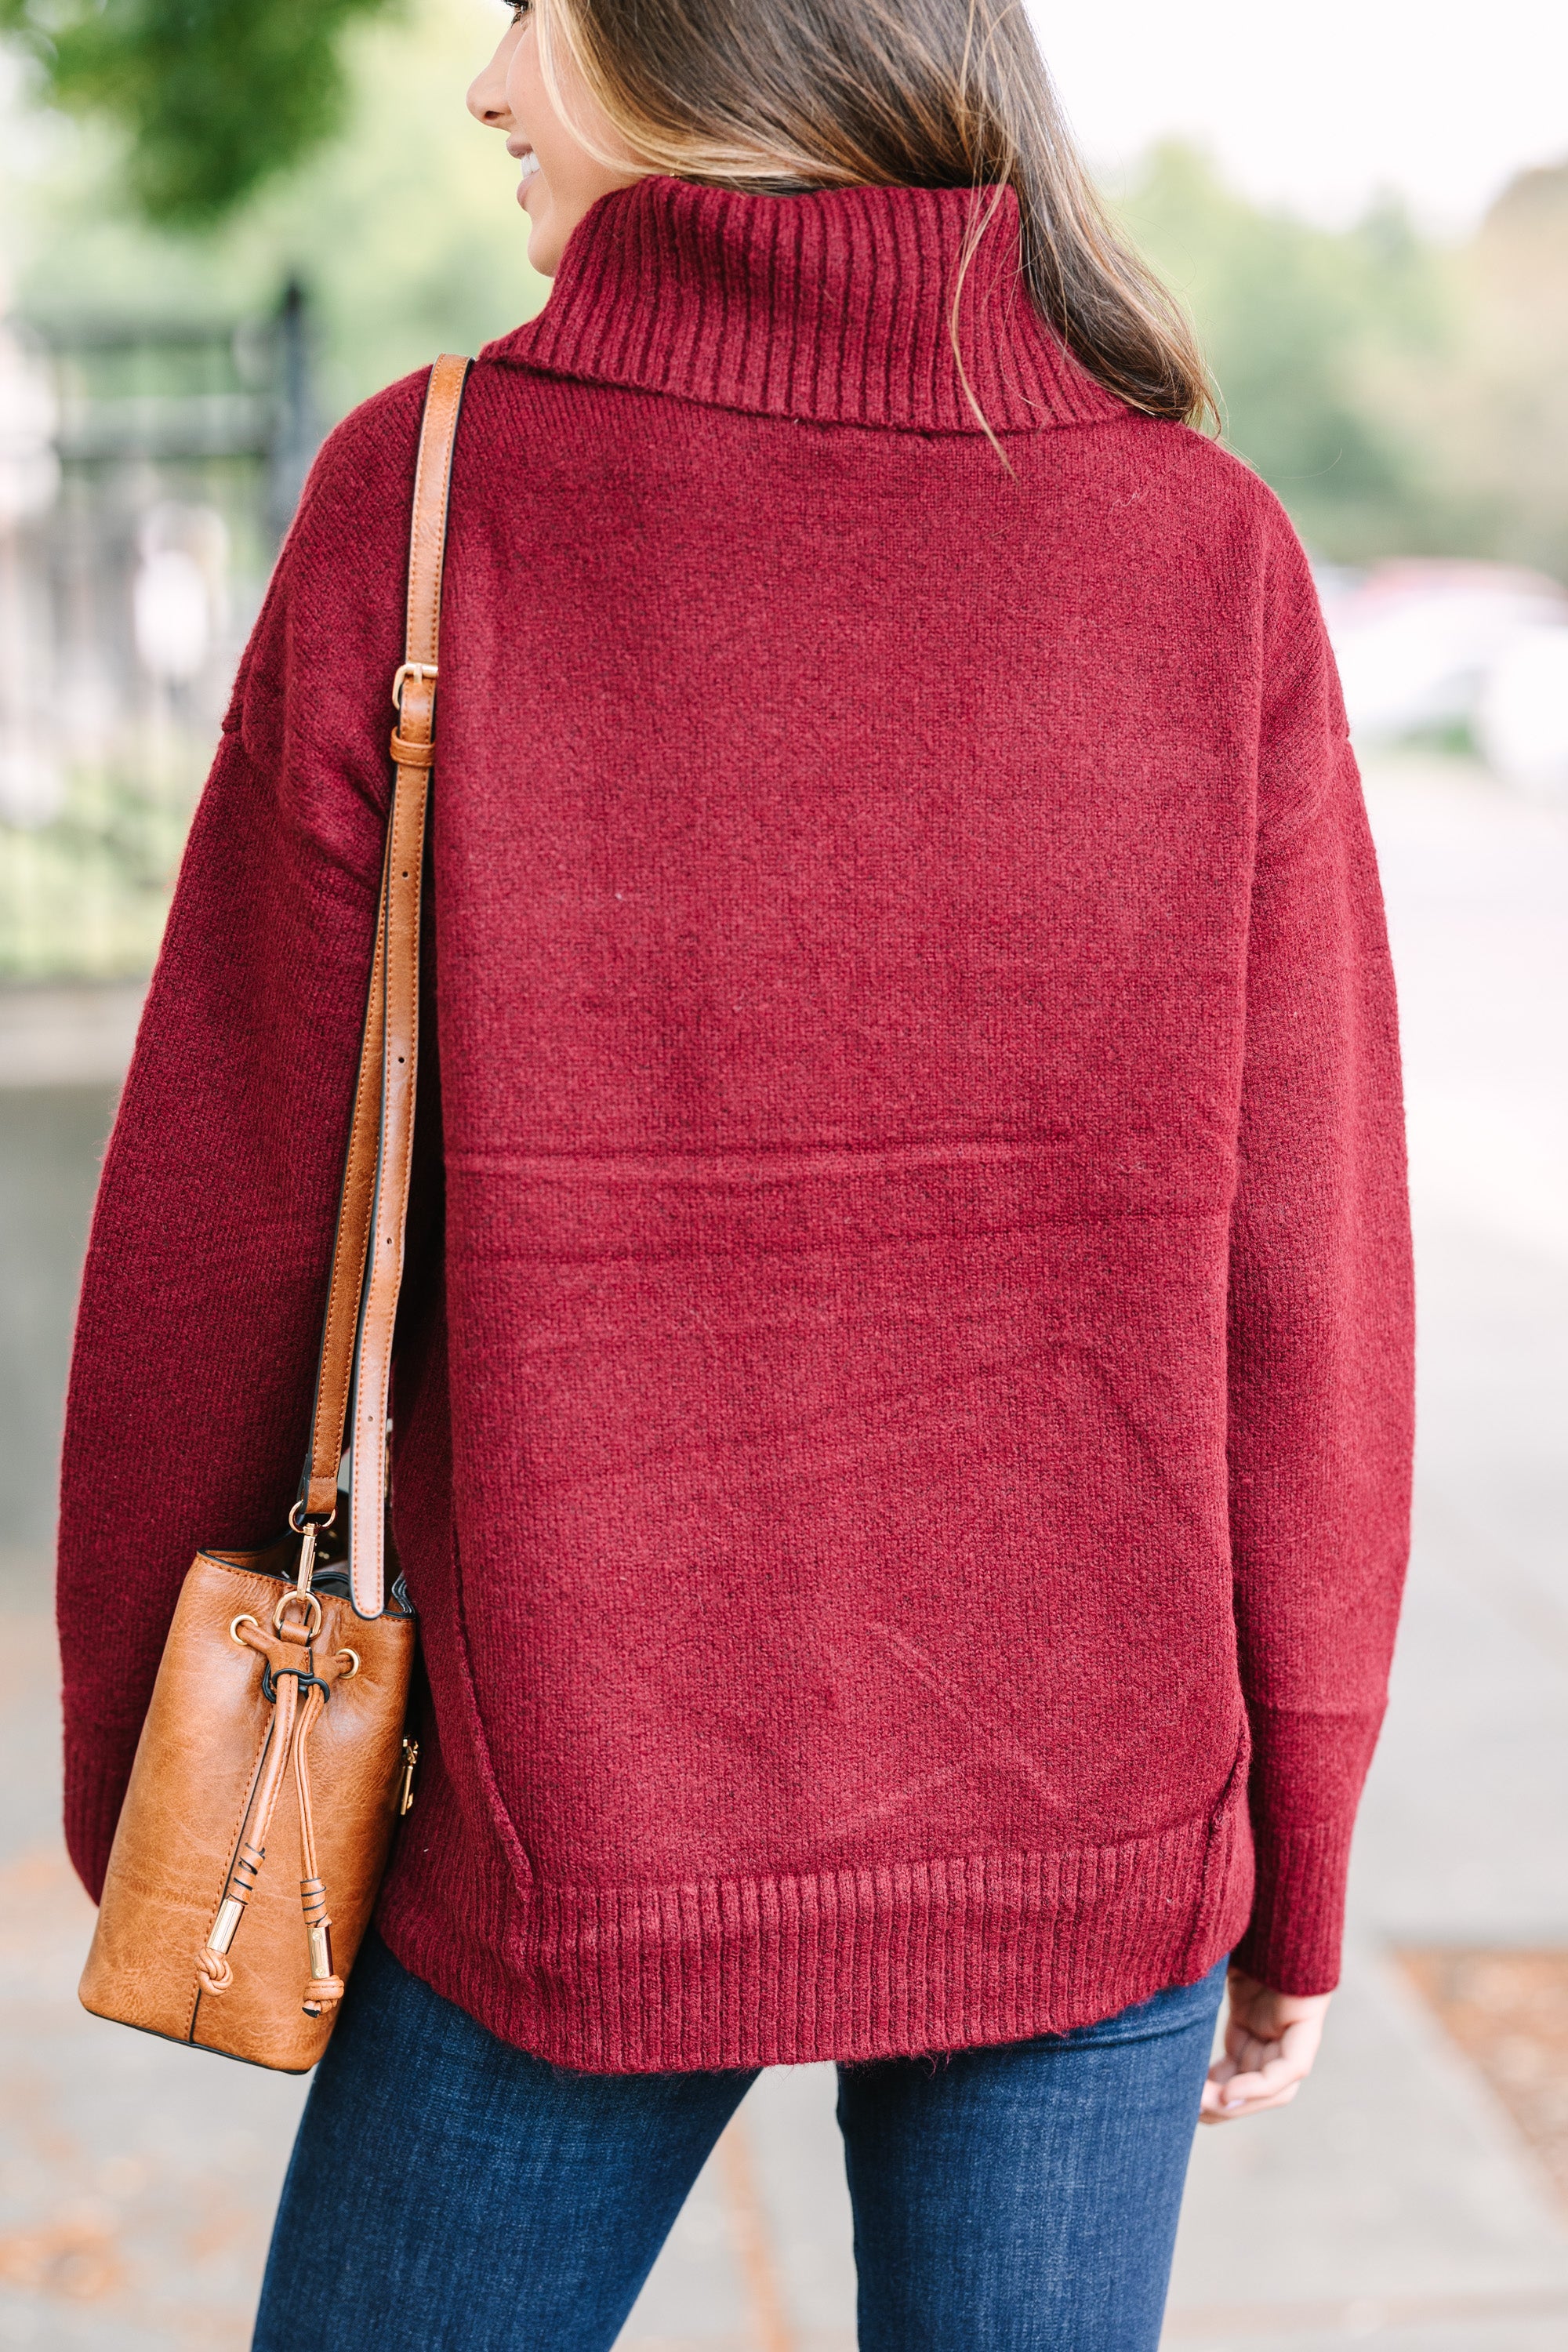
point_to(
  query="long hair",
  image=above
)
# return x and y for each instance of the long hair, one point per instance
(779, 96)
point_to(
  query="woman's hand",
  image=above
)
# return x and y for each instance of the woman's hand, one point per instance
(1271, 2041)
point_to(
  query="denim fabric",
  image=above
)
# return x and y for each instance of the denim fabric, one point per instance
(1025, 2199)
(448, 2193)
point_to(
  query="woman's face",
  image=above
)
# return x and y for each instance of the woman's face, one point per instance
(561, 178)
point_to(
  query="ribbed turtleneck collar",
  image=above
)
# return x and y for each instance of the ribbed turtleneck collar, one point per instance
(834, 306)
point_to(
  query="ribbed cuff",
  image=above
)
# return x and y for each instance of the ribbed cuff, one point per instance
(1307, 1770)
(1293, 1938)
(98, 1766)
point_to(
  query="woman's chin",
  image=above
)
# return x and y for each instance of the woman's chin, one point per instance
(543, 245)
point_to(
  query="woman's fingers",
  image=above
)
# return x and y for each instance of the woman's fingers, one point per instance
(1223, 2107)
(1229, 2095)
(1257, 2082)
(1271, 2041)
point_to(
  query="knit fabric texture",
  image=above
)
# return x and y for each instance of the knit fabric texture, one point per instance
(903, 1420)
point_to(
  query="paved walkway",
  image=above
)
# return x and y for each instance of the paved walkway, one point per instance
(1395, 2205)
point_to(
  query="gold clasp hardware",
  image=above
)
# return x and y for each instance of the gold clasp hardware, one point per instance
(313, 1625)
(310, 1532)
(406, 1787)
(406, 670)
(308, 1535)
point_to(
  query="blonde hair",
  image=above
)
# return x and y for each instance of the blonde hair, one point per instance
(780, 96)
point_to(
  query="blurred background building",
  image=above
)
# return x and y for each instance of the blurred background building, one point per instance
(214, 242)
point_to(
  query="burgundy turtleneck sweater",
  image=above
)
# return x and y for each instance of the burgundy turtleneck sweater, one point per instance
(903, 1433)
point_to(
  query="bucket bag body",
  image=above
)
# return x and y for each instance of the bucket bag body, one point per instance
(274, 1757)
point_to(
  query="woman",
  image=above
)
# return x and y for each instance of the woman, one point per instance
(903, 1431)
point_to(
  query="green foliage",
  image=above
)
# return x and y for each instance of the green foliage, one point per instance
(405, 230)
(1304, 328)
(1500, 419)
(217, 96)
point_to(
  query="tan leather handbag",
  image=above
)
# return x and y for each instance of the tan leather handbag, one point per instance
(277, 1724)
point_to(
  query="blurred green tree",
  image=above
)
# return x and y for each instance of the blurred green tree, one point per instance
(1501, 418)
(1313, 336)
(216, 96)
(403, 229)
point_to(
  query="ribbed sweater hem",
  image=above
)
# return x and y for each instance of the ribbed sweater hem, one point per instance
(780, 1969)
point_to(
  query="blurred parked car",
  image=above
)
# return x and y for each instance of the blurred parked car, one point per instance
(1427, 644)
(1521, 720)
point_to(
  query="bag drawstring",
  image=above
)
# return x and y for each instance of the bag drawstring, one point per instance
(298, 1689)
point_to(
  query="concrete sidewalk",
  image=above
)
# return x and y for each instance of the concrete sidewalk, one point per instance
(1396, 2204)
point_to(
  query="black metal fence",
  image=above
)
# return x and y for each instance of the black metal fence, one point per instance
(147, 473)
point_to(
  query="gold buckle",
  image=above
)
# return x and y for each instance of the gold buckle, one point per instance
(406, 670)
(312, 1602)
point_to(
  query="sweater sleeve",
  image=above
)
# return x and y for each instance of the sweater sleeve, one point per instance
(1321, 1311)
(207, 1264)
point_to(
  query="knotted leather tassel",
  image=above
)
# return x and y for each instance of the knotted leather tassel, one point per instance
(288, 1744)
(325, 1988)
(212, 1960)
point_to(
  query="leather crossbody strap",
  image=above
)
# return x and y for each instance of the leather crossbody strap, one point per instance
(367, 1248)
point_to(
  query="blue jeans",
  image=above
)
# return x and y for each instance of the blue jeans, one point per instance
(448, 2193)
